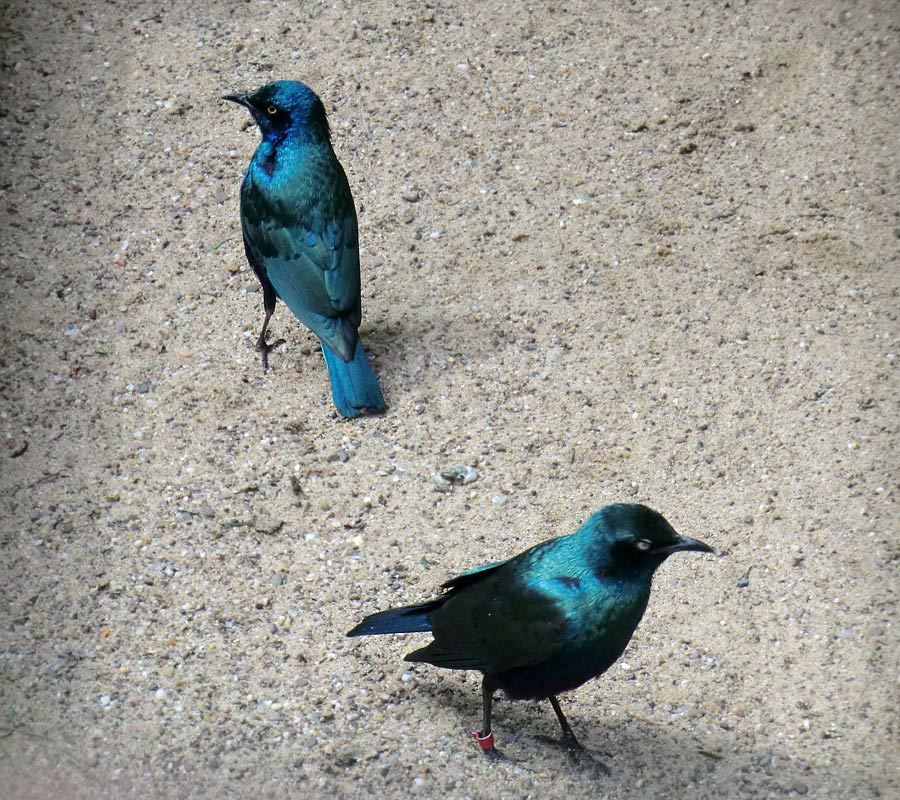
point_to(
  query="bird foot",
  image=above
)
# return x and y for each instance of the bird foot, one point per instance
(495, 755)
(266, 348)
(577, 753)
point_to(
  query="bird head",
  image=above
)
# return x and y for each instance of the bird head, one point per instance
(284, 106)
(631, 538)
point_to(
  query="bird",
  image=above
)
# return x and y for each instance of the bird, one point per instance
(301, 236)
(549, 619)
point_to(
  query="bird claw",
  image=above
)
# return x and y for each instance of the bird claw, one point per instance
(588, 763)
(577, 753)
(266, 348)
(496, 756)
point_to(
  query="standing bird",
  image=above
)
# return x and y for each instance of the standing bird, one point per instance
(549, 619)
(300, 235)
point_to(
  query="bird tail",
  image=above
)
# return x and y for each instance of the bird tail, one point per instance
(409, 619)
(354, 387)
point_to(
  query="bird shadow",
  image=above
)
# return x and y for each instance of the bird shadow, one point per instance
(408, 345)
(635, 753)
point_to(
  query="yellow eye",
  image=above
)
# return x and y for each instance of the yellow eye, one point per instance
(271, 111)
(643, 545)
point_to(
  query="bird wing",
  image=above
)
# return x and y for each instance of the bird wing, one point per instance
(306, 240)
(471, 576)
(506, 620)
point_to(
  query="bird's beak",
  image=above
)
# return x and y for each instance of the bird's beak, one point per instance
(685, 543)
(240, 99)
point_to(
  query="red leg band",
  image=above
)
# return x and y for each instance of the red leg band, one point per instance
(485, 740)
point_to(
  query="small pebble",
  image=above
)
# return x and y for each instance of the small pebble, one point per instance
(457, 476)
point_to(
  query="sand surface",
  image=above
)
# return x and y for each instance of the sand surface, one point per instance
(610, 252)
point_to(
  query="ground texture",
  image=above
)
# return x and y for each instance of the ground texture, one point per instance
(610, 251)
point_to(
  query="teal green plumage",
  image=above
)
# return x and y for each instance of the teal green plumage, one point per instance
(552, 617)
(560, 605)
(300, 235)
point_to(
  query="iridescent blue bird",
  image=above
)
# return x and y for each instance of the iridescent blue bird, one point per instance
(301, 238)
(549, 619)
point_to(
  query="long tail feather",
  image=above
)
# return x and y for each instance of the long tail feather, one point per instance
(354, 387)
(409, 619)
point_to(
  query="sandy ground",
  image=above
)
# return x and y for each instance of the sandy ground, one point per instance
(610, 252)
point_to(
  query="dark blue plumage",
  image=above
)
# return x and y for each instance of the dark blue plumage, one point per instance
(300, 235)
(549, 619)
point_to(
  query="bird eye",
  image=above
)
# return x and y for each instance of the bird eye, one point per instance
(643, 545)
(271, 111)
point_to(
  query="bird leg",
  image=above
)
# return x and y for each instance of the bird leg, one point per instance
(262, 344)
(485, 737)
(570, 742)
